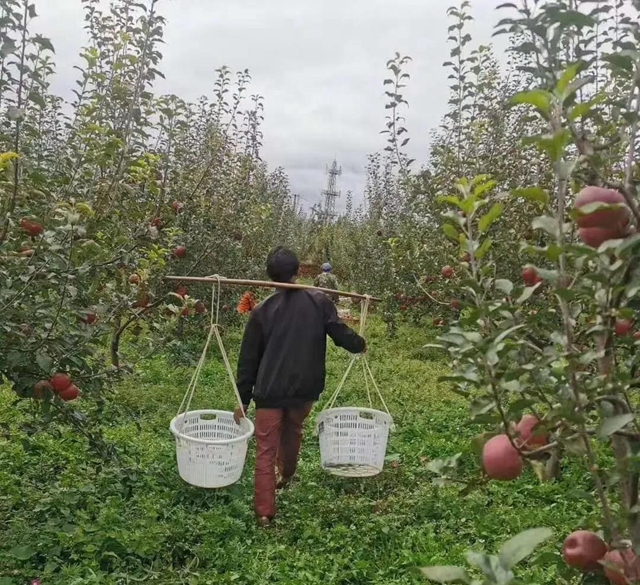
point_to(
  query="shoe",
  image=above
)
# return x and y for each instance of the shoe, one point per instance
(264, 521)
(283, 483)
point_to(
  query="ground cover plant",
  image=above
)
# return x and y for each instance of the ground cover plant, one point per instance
(505, 341)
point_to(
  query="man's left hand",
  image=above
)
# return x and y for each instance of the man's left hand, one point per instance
(238, 414)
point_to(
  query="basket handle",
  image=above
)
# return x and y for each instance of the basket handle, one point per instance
(214, 331)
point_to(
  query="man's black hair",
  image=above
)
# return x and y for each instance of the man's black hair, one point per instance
(282, 264)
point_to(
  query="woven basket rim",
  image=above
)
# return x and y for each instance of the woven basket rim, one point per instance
(178, 435)
(350, 409)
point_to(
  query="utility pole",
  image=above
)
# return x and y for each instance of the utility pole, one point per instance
(331, 193)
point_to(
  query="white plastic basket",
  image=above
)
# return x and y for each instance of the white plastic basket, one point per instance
(353, 441)
(210, 447)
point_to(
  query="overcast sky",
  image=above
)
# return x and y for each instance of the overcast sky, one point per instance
(319, 64)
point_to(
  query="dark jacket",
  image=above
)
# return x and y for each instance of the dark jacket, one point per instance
(282, 359)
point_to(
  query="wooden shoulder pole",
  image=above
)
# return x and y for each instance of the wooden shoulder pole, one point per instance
(266, 284)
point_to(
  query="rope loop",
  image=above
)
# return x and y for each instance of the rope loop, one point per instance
(214, 331)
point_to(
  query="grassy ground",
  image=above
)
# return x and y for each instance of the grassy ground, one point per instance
(68, 520)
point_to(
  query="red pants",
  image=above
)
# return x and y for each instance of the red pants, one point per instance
(278, 437)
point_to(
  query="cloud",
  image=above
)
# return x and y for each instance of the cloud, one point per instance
(319, 65)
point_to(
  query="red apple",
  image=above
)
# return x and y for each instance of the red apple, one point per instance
(622, 327)
(200, 308)
(530, 276)
(620, 566)
(156, 222)
(527, 433)
(90, 318)
(501, 459)
(179, 252)
(595, 237)
(466, 257)
(583, 550)
(185, 312)
(60, 382)
(636, 335)
(70, 393)
(177, 206)
(134, 279)
(182, 291)
(447, 272)
(616, 218)
(455, 304)
(32, 228)
(225, 308)
(142, 302)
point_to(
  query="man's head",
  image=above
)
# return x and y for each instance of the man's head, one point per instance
(326, 267)
(282, 265)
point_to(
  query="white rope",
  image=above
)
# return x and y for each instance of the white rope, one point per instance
(227, 363)
(366, 383)
(196, 375)
(214, 330)
(366, 370)
(342, 382)
(373, 380)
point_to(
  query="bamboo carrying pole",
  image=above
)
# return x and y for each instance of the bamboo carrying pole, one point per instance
(266, 284)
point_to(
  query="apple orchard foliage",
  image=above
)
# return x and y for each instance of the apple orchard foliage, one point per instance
(103, 196)
(573, 373)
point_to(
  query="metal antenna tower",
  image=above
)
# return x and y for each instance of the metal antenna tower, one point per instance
(331, 193)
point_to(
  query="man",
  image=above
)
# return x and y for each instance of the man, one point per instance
(327, 280)
(282, 368)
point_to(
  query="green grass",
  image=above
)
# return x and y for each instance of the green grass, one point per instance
(69, 520)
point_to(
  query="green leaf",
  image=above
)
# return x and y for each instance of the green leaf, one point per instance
(619, 61)
(538, 98)
(628, 243)
(547, 224)
(450, 199)
(483, 249)
(522, 545)
(508, 332)
(567, 77)
(589, 208)
(614, 424)
(7, 48)
(552, 145)
(487, 220)
(37, 99)
(567, 18)
(536, 194)
(22, 553)
(503, 285)
(526, 294)
(450, 231)
(482, 562)
(446, 574)
(44, 361)
(484, 187)
(44, 42)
